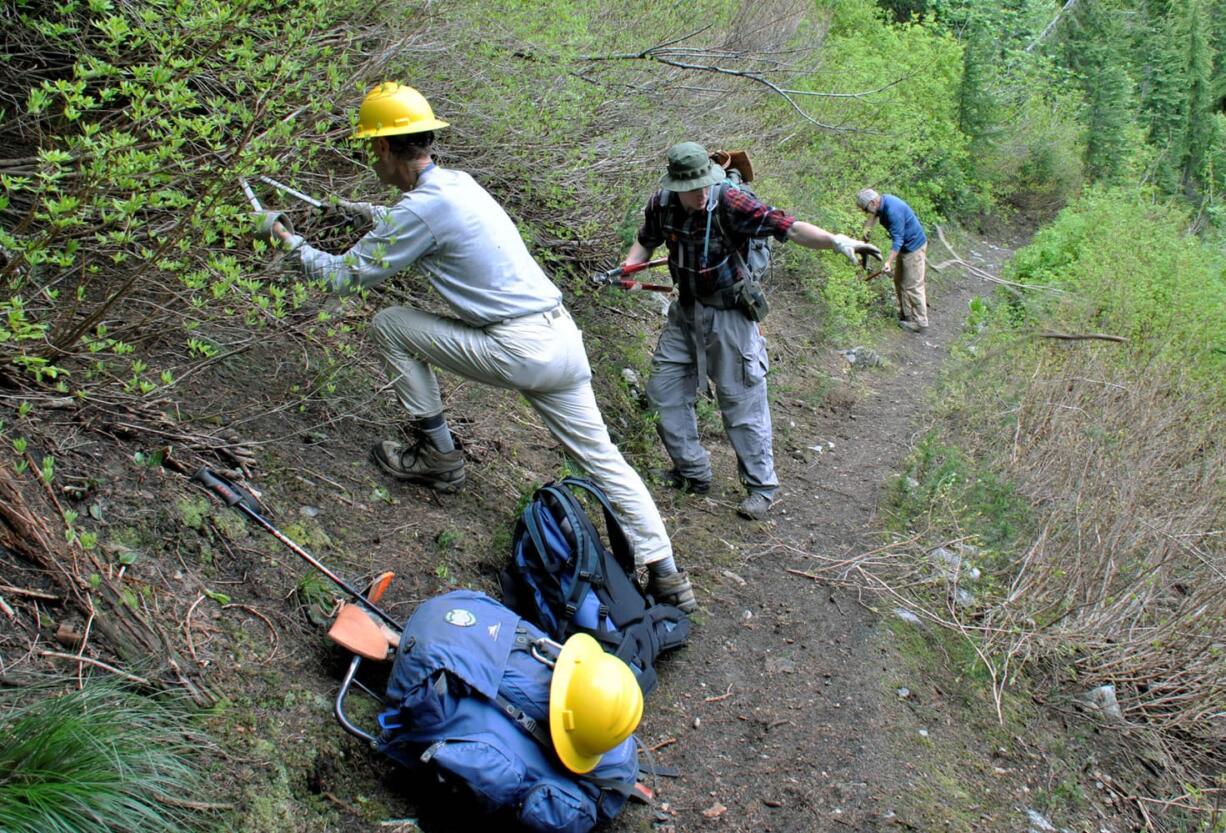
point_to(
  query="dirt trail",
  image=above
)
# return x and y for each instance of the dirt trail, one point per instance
(778, 714)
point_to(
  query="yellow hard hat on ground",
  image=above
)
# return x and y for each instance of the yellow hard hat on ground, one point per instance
(594, 703)
(391, 109)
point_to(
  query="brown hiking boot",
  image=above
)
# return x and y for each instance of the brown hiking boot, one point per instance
(420, 463)
(673, 589)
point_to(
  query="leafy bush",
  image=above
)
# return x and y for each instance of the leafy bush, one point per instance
(96, 760)
(1126, 265)
(1034, 164)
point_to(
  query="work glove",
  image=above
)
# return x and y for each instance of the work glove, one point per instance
(265, 220)
(359, 210)
(849, 248)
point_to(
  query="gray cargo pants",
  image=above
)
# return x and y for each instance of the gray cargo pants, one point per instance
(736, 362)
(542, 357)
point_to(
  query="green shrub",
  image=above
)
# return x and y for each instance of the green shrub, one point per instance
(96, 760)
(963, 498)
(1125, 265)
(1035, 163)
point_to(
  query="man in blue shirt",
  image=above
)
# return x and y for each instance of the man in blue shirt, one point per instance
(908, 246)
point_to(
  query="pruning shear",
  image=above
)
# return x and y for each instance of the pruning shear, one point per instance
(864, 256)
(293, 192)
(617, 277)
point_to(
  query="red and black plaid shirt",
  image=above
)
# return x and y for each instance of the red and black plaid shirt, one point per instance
(736, 219)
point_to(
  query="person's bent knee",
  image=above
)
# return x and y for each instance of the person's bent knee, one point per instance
(383, 325)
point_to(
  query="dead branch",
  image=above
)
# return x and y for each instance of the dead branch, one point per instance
(1083, 337)
(713, 60)
(1050, 27)
(981, 273)
(97, 664)
(30, 594)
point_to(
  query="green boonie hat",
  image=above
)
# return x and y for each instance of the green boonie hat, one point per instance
(689, 168)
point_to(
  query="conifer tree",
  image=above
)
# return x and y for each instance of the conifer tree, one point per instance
(975, 103)
(1092, 48)
(1201, 123)
(1163, 79)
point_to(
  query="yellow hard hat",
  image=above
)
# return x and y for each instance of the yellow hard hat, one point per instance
(390, 109)
(594, 703)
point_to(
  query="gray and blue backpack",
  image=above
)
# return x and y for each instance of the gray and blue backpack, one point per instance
(565, 580)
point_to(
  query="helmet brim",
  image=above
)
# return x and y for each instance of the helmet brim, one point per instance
(395, 130)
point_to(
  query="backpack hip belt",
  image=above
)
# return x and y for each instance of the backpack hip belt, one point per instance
(725, 298)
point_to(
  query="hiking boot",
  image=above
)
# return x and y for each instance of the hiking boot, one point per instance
(679, 481)
(673, 589)
(912, 327)
(755, 507)
(420, 463)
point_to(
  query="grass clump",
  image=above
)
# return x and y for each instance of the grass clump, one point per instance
(943, 487)
(95, 760)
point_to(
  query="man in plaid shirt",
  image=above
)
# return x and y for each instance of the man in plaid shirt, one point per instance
(706, 226)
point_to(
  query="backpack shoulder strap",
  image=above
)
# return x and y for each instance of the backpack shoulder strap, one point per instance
(619, 543)
(714, 207)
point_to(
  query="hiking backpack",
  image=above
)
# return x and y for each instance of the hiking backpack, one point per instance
(469, 699)
(758, 249)
(563, 579)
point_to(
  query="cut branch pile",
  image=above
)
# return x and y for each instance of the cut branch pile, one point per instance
(85, 586)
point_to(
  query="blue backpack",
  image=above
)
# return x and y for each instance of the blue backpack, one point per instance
(563, 579)
(470, 703)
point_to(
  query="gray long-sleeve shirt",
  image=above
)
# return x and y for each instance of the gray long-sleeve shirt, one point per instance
(469, 247)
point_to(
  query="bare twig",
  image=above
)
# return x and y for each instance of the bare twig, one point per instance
(690, 58)
(97, 664)
(29, 594)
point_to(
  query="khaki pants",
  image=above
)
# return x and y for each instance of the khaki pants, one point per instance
(909, 286)
(542, 357)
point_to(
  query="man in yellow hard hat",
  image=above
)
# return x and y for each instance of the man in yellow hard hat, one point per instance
(510, 330)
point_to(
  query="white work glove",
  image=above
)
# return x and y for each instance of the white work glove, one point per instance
(850, 248)
(360, 210)
(265, 220)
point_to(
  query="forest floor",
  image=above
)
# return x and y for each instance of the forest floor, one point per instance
(798, 705)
